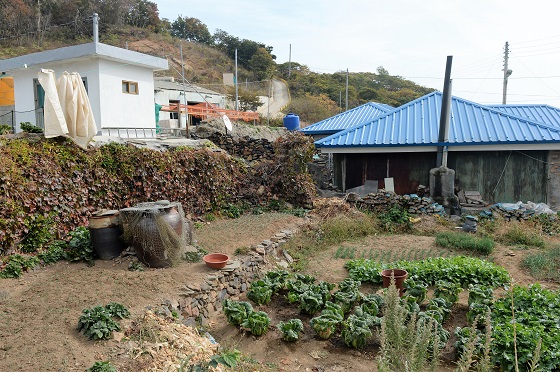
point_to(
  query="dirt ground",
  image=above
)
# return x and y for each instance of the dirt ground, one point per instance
(39, 312)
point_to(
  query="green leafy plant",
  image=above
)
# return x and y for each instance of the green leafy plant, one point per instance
(97, 323)
(459, 269)
(416, 289)
(39, 233)
(465, 241)
(257, 322)
(277, 279)
(480, 294)
(236, 312)
(290, 329)
(442, 306)
(102, 367)
(5, 129)
(396, 219)
(356, 331)
(195, 256)
(232, 210)
(54, 252)
(17, 264)
(80, 246)
(135, 266)
(447, 290)
(117, 310)
(29, 128)
(310, 302)
(537, 311)
(325, 325)
(260, 292)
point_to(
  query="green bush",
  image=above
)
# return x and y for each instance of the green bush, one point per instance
(29, 128)
(39, 233)
(465, 241)
(17, 264)
(54, 252)
(395, 220)
(97, 323)
(5, 129)
(80, 246)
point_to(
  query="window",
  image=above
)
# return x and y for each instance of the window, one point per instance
(130, 87)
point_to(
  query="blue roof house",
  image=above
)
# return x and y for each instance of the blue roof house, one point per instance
(346, 119)
(504, 156)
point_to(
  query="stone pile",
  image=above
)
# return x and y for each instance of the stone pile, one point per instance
(383, 201)
(199, 301)
(246, 147)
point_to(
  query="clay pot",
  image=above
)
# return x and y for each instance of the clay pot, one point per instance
(399, 275)
(105, 231)
(216, 260)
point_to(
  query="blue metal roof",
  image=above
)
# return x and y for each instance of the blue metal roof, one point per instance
(417, 124)
(542, 113)
(348, 119)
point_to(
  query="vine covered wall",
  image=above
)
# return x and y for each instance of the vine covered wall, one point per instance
(52, 184)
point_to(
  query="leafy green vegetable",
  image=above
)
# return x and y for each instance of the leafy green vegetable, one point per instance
(441, 305)
(117, 310)
(17, 264)
(257, 322)
(277, 279)
(537, 311)
(477, 311)
(459, 269)
(97, 323)
(447, 290)
(102, 367)
(480, 294)
(54, 252)
(290, 329)
(236, 312)
(356, 331)
(260, 292)
(416, 289)
(324, 325)
(80, 246)
(311, 302)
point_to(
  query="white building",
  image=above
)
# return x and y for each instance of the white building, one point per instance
(119, 82)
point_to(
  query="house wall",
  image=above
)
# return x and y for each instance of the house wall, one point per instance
(124, 109)
(500, 176)
(24, 93)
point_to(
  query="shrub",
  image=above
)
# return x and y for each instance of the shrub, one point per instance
(516, 235)
(80, 247)
(39, 233)
(17, 264)
(29, 128)
(97, 323)
(54, 252)
(395, 220)
(5, 129)
(465, 241)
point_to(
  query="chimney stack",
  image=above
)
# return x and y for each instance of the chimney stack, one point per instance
(95, 28)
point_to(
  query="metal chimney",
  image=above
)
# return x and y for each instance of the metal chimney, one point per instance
(441, 159)
(95, 28)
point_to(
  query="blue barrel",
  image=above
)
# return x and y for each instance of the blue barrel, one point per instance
(291, 121)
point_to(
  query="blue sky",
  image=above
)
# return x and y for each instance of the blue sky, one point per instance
(410, 38)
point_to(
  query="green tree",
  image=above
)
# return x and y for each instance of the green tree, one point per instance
(262, 64)
(191, 29)
(143, 14)
(248, 99)
(312, 109)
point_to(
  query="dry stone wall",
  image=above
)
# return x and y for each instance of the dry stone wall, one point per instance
(247, 148)
(199, 301)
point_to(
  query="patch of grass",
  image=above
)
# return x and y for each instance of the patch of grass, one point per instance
(545, 264)
(242, 251)
(330, 232)
(516, 235)
(465, 241)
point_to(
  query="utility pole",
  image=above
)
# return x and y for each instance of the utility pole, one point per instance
(346, 90)
(236, 89)
(507, 72)
(290, 62)
(339, 101)
(184, 96)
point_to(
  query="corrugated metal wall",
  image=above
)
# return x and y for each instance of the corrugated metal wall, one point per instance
(522, 177)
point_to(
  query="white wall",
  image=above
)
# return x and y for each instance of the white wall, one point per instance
(123, 109)
(163, 97)
(24, 94)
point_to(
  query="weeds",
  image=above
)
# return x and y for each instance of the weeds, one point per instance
(464, 241)
(545, 264)
(395, 220)
(515, 235)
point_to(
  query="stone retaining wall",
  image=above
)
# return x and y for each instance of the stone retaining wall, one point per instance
(246, 147)
(199, 301)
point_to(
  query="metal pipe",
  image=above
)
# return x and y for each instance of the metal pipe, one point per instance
(95, 28)
(445, 112)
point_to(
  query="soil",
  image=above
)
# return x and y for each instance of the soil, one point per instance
(39, 312)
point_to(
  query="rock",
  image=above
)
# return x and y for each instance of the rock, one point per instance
(118, 336)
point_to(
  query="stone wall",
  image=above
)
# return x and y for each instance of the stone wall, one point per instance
(199, 301)
(245, 147)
